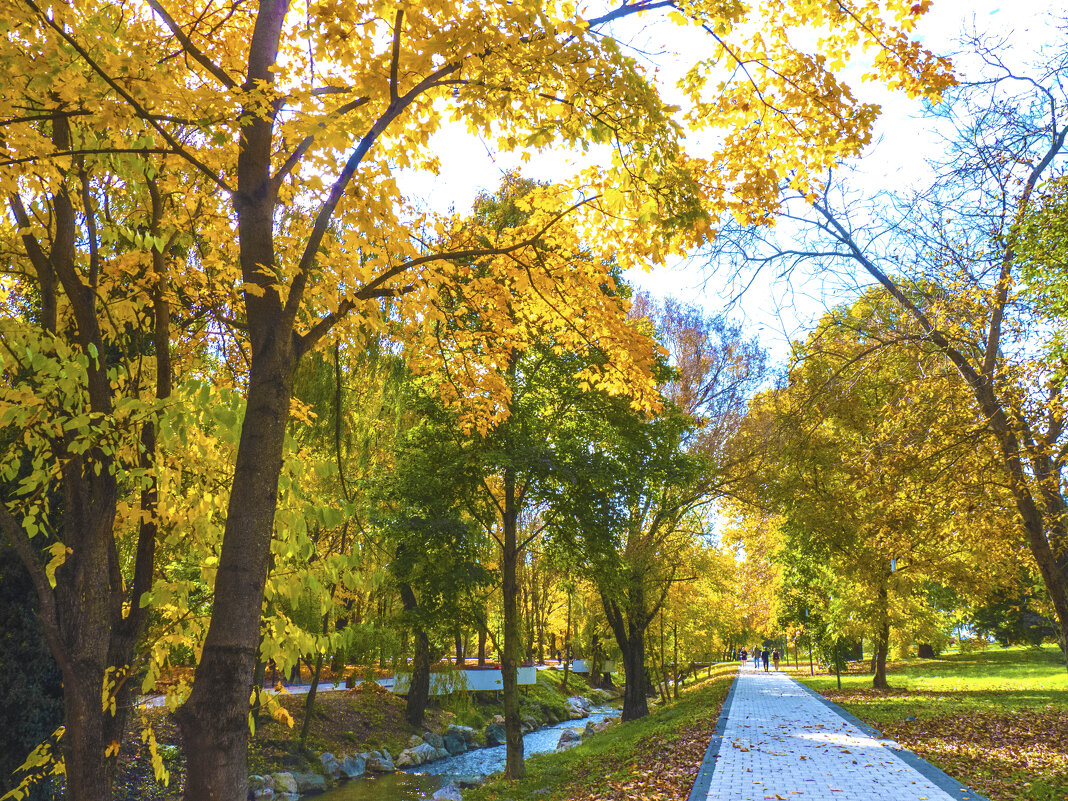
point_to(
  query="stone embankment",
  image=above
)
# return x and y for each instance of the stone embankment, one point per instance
(431, 746)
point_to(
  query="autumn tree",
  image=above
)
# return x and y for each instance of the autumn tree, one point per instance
(880, 491)
(287, 125)
(508, 469)
(974, 242)
(698, 619)
(87, 367)
(625, 505)
(754, 540)
(632, 491)
(423, 510)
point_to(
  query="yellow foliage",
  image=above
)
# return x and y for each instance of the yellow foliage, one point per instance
(364, 88)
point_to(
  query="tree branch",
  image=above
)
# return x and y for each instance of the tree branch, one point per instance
(191, 50)
(337, 191)
(130, 100)
(32, 562)
(298, 152)
(375, 288)
(394, 62)
(87, 152)
(627, 9)
(1009, 257)
(42, 265)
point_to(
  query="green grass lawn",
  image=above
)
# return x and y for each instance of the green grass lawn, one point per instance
(655, 757)
(996, 720)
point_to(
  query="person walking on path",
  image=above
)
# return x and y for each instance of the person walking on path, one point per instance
(775, 658)
(765, 655)
(778, 739)
(744, 656)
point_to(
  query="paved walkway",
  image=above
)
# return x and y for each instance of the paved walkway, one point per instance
(778, 740)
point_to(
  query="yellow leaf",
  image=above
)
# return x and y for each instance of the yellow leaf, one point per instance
(59, 552)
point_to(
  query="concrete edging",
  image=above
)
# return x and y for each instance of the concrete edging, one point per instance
(701, 785)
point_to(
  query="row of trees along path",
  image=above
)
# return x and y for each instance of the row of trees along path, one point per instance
(188, 181)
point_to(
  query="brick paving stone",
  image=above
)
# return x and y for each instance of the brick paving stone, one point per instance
(782, 743)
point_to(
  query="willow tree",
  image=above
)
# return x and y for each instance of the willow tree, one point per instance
(296, 118)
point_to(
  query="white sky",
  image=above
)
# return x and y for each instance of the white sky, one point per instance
(774, 311)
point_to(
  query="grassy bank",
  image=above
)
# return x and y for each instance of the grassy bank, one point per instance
(655, 757)
(364, 718)
(370, 717)
(996, 720)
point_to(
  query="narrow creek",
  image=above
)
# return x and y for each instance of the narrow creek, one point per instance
(412, 784)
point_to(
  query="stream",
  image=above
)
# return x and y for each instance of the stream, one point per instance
(412, 784)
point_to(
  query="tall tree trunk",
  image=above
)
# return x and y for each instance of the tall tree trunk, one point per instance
(419, 688)
(536, 607)
(665, 688)
(882, 641)
(309, 699)
(567, 640)
(629, 630)
(214, 720)
(675, 670)
(316, 673)
(635, 697)
(88, 774)
(596, 658)
(514, 767)
(482, 644)
(1046, 534)
(419, 691)
(91, 619)
(838, 665)
(527, 617)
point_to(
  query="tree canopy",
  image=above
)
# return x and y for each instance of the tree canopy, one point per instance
(209, 191)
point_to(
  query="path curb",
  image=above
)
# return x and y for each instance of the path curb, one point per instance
(935, 775)
(701, 785)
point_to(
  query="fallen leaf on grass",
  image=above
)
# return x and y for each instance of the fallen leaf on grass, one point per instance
(997, 754)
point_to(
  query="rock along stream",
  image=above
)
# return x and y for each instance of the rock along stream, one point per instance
(419, 782)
